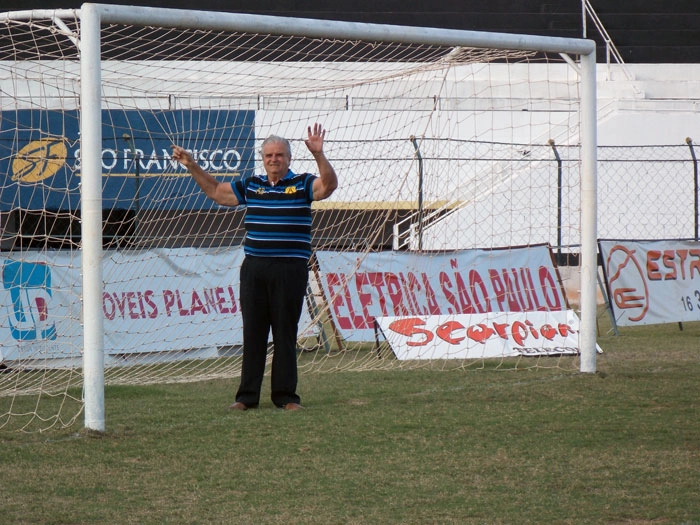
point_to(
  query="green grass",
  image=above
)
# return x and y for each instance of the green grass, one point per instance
(390, 446)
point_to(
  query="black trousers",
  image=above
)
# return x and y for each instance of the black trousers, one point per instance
(272, 292)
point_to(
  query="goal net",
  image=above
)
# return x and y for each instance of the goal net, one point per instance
(462, 165)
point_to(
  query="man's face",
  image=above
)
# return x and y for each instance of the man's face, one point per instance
(276, 160)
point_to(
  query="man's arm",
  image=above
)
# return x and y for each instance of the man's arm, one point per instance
(220, 192)
(327, 181)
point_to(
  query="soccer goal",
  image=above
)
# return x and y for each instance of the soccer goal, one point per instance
(467, 167)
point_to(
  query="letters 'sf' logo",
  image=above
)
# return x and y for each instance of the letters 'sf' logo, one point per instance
(29, 285)
(39, 160)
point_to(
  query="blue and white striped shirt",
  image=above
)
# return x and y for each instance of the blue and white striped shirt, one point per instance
(278, 218)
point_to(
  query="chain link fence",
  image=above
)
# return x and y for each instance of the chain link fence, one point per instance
(648, 192)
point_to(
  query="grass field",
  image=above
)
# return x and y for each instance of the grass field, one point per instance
(392, 446)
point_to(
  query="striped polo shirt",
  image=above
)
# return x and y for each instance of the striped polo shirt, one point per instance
(278, 218)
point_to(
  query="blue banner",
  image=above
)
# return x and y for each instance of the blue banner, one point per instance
(40, 157)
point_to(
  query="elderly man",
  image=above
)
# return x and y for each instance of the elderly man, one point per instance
(274, 273)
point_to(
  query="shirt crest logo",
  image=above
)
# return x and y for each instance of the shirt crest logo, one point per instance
(290, 189)
(260, 191)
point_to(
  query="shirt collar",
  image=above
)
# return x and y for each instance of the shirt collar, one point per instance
(288, 175)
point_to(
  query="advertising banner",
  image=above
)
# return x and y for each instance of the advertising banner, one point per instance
(154, 301)
(171, 300)
(482, 336)
(40, 155)
(361, 287)
(652, 282)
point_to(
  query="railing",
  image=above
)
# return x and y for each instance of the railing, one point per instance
(610, 48)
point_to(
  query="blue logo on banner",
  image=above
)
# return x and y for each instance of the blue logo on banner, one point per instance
(40, 155)
(29, 285)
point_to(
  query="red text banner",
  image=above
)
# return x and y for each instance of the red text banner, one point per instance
(362, 287)
(652, 282)
(169, 300)
(482, 336)
(186, 298)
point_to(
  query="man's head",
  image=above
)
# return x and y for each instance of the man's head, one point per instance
(277, 155)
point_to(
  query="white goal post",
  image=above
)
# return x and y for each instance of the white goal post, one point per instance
(579, 54)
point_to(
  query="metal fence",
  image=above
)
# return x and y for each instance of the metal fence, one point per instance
(648, 192)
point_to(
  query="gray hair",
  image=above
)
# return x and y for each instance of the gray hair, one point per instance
(275, 139)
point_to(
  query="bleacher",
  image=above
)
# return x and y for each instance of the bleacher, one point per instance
(644, 31)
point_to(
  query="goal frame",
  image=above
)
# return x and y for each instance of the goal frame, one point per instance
(93, 15)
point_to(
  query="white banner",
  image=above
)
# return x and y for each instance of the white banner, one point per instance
(153, 301)
(41, 308)
(361, 287)
(176, 299)
(481, 336)
(652, 282)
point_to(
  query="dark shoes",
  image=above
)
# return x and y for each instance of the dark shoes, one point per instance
(242, 406)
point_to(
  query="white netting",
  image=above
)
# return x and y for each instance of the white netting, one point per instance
(437, 149)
